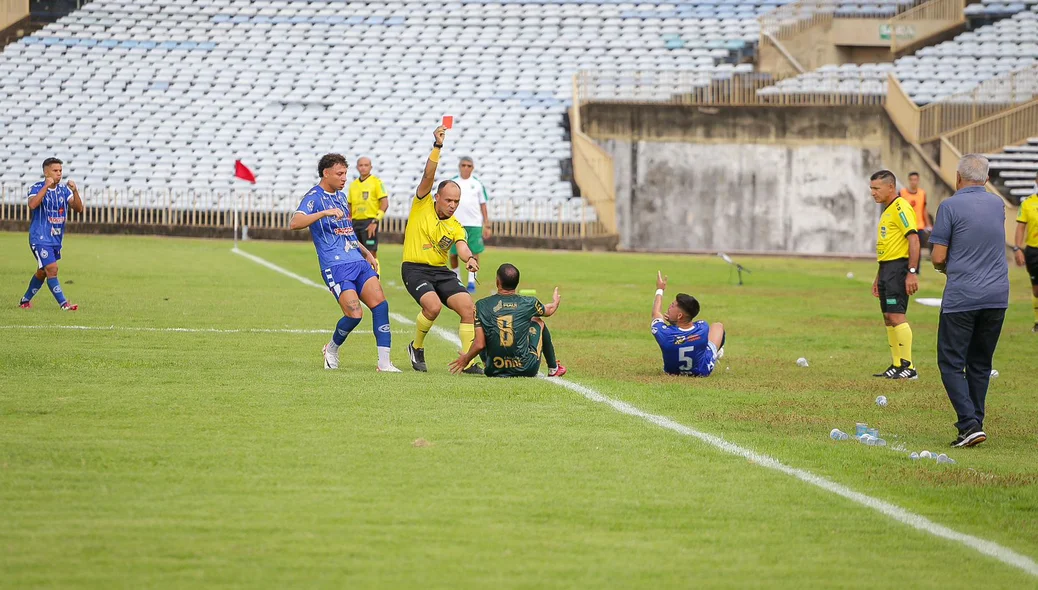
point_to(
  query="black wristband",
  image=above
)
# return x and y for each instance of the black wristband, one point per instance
(437, 145)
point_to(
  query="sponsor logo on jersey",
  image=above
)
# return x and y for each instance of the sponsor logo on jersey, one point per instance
(506, 362)
(883, 232)
(445, 243)
(343, 231)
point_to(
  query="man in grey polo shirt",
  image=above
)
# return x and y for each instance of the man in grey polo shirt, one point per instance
(969, 245)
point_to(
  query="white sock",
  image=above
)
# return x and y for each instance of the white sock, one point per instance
(333, 347)
(472, 277)
(457, 271)
(383, 356)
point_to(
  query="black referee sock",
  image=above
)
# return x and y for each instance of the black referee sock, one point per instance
(548, 349)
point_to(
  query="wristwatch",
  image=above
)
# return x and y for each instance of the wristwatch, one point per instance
(1016, 248)
(913, 270)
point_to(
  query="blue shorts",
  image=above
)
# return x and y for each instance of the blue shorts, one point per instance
(348, 277)
(45, 254)
(706, 361)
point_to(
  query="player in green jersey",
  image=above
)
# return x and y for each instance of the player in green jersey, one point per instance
(510, 334)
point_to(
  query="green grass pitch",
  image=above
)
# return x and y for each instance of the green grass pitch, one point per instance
(134, 457)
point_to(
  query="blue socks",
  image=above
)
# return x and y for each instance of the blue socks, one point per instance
(34, 285)
(55, 288)
(380, 324)
(343, 329)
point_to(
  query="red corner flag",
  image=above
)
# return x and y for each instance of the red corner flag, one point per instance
(240, 171)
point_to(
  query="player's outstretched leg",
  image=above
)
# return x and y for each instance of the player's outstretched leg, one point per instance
(352, 314)
(375, 299)
(462, 304)
(547, 348)
(35, 284)
(431, 307)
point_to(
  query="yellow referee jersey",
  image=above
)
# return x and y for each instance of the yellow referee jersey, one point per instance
(895, 225)
(427, 238)
(1029, 215)
(365, 196)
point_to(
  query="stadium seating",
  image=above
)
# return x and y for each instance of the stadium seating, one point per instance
(938, 71)
(151, 95)
(1015, 168)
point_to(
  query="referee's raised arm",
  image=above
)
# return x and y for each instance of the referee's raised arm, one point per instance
(429, 176)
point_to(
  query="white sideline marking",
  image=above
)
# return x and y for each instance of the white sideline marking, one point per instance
(989, 548)
(185, 330)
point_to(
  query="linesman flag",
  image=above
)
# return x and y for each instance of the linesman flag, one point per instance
(242, 172)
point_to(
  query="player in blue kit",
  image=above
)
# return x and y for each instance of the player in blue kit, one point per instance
(49, 201)
(689, 347)
(346, 265)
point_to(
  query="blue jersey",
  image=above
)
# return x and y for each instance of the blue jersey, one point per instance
(48, 220)
(685, 352)
(335, 240)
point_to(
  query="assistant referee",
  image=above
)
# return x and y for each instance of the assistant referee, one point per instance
(368, 203)
(431, 231)
(897, 250)
(1025, 247)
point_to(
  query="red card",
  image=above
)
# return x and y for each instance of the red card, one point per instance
(448, 121)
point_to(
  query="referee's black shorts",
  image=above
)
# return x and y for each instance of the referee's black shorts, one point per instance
(420, 279)
(893, 297)
(1031, 260)
(360, 226)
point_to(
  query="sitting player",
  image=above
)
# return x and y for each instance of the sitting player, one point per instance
(689, 347)
(510, 334)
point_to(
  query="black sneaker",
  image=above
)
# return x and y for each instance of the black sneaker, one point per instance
(1035, 328)
(475, 369)
(417, 358)
(905, 372)
(889, 373)
(970, 438)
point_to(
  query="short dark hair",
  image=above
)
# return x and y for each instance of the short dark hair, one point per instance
(329, 160)
(688, 304)
(884, 175)
(508, 274)
(50, 161)
(911, 174)
(444, 183)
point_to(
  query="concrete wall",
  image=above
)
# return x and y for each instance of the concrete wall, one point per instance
(758, 179)
(805, 199)
(12, 11)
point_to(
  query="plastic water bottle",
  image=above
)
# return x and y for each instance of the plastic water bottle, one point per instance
(801, 362)
(924, 455)
(838, 434)
(860, 428)
(914, 456)
(874, 432)
(942, 458)
(880, 442)
(881, 401)
(994, 374)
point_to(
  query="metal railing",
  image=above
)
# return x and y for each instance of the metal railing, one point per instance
(692, 88)
(995, 132)
(988, 98)
(531, 218)
(789, 20)
(935, 16)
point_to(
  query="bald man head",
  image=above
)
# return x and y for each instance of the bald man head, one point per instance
(364, 167)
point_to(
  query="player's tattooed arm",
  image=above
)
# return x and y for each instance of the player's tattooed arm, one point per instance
(301, 220)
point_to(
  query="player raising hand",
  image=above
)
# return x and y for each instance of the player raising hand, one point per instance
(689, 347)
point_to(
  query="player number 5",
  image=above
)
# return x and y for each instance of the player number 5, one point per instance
(684, 355)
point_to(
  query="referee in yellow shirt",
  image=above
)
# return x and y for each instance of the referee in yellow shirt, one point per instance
(1025, 248)
(431, 231)
(368, 203)
(897, 250)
